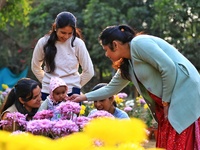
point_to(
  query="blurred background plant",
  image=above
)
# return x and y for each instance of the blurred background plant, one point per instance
(135, 108)
(4, 93)
(23, 22)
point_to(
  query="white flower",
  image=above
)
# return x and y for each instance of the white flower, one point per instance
(130, 103)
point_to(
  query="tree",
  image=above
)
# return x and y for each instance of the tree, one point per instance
(178, 22)
(12, 11)
(101, 13)
(13, 14)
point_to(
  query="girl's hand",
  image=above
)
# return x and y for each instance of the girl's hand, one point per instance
(77, 98)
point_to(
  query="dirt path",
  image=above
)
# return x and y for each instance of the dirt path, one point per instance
(150, 144)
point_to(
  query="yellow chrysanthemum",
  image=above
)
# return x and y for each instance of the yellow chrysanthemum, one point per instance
(115, 131)
(22, 141)
(104, 148)
(129, 146)
(82, 112)
(118, 99)
(146, 106)
(4, 86)
(83, 107)
(75, 141)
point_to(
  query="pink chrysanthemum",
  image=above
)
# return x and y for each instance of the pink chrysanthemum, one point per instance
(39, 127)
(68, 109)
(81, 121)
(64, 127)
(44, 114)
(101, 113)
(16, 117)
(128, 108)
(122, 95)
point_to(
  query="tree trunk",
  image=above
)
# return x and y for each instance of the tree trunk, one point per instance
(2, 3)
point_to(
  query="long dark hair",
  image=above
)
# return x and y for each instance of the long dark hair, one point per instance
(24, 89)
(124, 34)
(62, 20)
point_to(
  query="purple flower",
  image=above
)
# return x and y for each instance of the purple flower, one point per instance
(69, 106)
(64, 127)
(122, 95)
(5, 93)
(39, 127)
(101, 113)
(81, 121)
(5, 123)
(128, 108)
(68, 109)
(16, 117)
(44, 114)
(142, 101)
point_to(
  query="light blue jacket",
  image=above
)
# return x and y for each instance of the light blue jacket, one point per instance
(163, 71)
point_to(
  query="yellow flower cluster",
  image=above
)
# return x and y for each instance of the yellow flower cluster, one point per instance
(118, 99)
(111, 133)
(4, 86)
(82, 111)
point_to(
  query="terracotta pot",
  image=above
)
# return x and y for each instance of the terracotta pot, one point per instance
(155, 134)
(152, 133)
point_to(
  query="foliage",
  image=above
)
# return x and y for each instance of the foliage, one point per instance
(175, 21)
(15, 57)
(43, 15)
(99, 14)
(13, 18)
(14, 11)
(136, 108)
(178, 23)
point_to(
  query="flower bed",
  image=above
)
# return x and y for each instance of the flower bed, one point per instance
(100, 133)
(135, 108)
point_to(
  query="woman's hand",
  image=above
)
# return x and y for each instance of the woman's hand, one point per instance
(77, 98)
(166, 108)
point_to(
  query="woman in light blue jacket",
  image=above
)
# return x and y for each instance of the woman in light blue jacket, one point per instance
(168, 82)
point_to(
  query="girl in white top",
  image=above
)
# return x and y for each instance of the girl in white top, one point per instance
(61, 52)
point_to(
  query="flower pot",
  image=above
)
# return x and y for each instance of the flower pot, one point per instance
(152, 133)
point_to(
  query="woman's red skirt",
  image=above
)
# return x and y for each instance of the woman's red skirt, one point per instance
(168, 138)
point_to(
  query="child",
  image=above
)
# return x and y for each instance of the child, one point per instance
(108, 104)
(58, 94)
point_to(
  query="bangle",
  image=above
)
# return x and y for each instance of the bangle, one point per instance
(165, 103)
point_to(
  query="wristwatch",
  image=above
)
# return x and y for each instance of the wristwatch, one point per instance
(165, 103)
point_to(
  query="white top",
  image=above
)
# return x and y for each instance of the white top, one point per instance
(67, 61)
